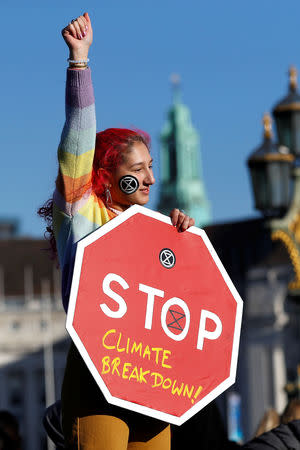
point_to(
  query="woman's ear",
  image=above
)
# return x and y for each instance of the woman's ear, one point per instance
(105, 175)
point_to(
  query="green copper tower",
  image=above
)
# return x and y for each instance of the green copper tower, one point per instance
(182, 183)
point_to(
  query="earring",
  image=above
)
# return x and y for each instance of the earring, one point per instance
(108, 199)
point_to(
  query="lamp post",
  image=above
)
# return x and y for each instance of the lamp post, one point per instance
(270, 166)
(275, 170)
(287, 117)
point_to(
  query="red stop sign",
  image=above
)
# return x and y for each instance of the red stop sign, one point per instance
(154, 315)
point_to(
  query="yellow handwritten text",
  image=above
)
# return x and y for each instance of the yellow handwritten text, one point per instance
(128, 371)
(113, 340)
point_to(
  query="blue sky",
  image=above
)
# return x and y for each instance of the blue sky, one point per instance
(233, 58)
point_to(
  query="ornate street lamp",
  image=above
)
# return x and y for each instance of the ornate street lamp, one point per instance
(271, 182)
(270, 167)
(287, 229)
(287, 116)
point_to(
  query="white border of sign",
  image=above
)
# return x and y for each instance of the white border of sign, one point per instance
(135, 209)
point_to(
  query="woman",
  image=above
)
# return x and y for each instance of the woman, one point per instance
(90, 191)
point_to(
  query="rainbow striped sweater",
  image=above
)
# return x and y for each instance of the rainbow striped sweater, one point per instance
(77, 211)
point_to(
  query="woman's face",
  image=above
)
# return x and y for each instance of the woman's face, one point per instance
(137, 163)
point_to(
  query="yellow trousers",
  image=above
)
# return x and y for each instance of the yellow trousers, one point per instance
(91, 423)
(110, 433)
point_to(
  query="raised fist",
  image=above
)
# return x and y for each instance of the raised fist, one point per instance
(78, 35)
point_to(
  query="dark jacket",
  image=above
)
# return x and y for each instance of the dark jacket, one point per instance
(283, 437)
(204, 431)
(52, 424)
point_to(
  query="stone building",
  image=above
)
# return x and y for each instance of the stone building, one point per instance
(33, 339)
(260, 270)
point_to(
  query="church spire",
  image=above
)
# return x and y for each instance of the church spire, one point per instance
(176, 88)
(182, 184)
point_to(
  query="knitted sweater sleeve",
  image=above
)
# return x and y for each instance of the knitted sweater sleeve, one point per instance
(77, 144)
(77, 211)
(72, 196)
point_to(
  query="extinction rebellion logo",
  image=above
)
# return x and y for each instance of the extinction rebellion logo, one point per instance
(167, 258)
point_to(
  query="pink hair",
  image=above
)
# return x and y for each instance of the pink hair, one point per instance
(111, 144)
(109, 151)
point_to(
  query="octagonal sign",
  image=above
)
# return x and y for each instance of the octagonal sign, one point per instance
(154, 315)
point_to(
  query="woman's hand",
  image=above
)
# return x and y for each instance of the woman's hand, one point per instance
(78, 36)
(180, 220)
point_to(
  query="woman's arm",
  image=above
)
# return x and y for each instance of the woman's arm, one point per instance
(76, 148)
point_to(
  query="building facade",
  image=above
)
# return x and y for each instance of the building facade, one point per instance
(260, 270)
(33, 339)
